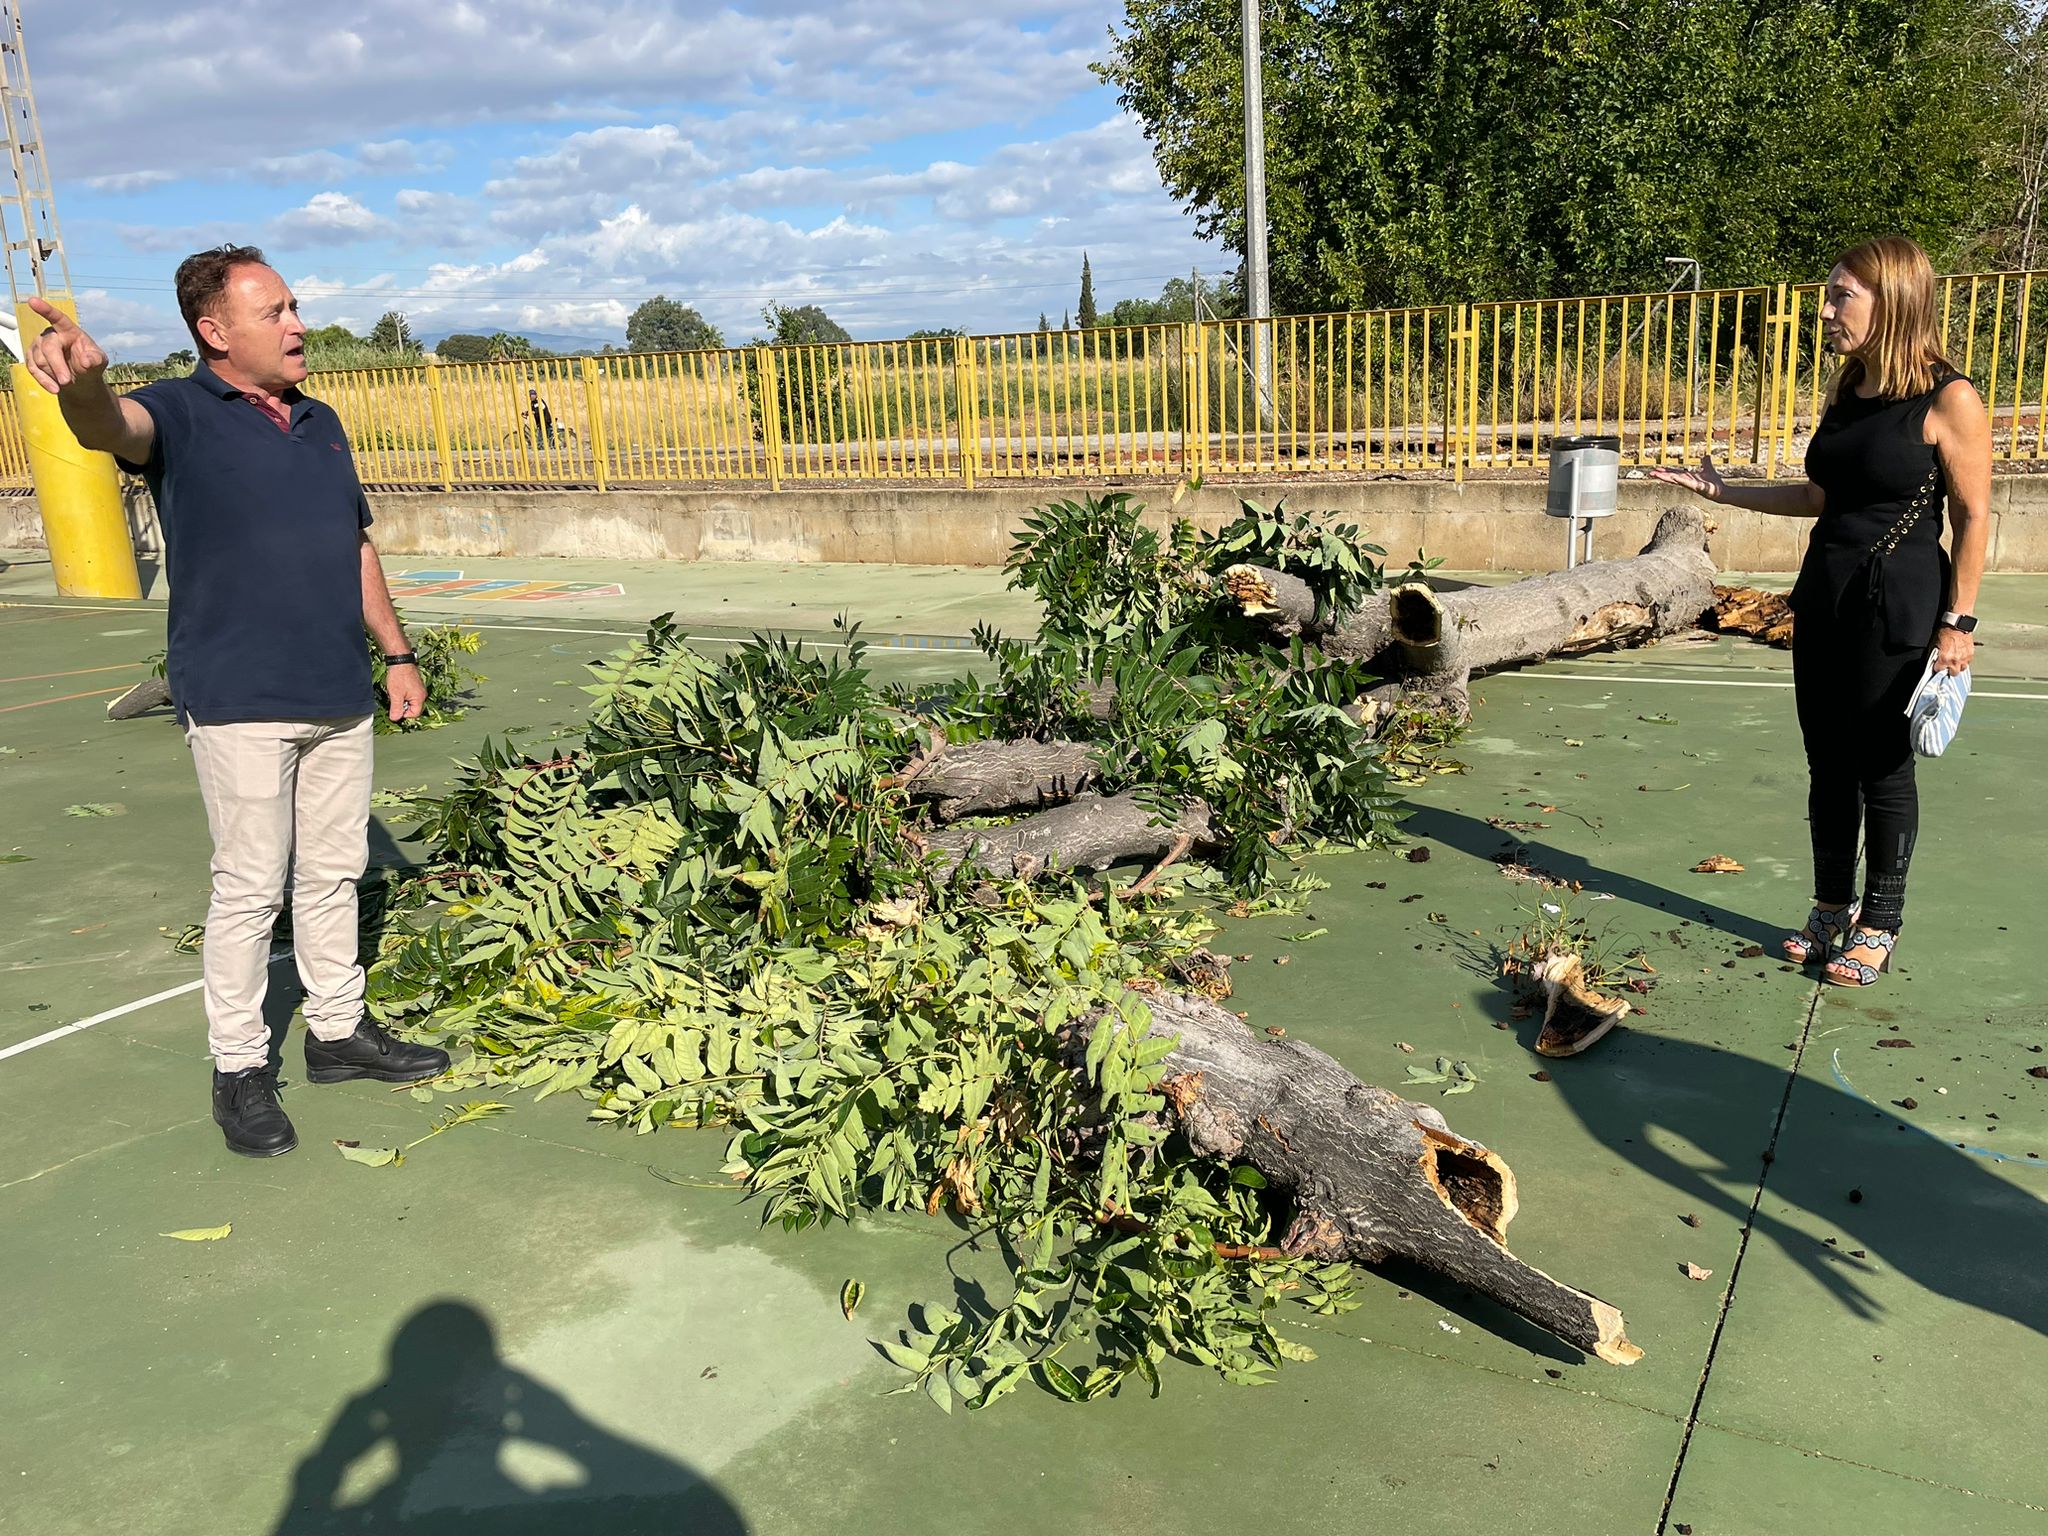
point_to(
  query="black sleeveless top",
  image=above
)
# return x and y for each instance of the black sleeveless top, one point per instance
(1872, 459)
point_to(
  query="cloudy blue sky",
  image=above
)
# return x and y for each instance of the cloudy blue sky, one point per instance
(541, 166)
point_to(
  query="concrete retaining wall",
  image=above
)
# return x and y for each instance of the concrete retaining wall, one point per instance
(1481, 525)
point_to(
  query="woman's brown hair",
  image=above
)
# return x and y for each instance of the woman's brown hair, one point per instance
(1903, 354)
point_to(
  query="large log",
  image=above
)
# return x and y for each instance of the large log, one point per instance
(1440, 641)
(1602, 605)
(987, 778)
(1372, 1176)
(1092, 832)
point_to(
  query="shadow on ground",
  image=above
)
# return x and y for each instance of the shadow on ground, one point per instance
(437, 1435)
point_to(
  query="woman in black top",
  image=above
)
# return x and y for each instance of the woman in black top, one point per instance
(1902, 432)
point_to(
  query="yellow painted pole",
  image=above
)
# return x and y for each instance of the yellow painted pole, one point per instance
(594, 405)
(966, 408)
(78, 491)
(771, 414)
(438, 404)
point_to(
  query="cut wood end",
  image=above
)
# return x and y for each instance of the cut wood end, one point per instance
(1472, 1180)
(1574, 1016)
(1249, 590)
(1611, 1343)
(1416, 615)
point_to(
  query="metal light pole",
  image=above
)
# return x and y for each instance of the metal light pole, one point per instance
(1258, 292)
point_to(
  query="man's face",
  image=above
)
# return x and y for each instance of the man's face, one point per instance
(257, 325)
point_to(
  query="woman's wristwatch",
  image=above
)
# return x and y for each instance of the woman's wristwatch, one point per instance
(1961, 623)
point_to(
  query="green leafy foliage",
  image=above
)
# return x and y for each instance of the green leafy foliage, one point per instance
(442, 650)
(1471, 150)
(708, 906)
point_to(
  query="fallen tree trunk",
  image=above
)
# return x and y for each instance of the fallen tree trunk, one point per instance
(1603, 605)
(1372, 1176)
(987, 778)
(1092, 832)
(1436, 642)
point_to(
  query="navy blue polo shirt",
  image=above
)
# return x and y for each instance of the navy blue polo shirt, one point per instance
(262, 540)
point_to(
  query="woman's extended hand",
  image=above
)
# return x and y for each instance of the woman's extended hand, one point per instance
(1705, 481)
(1953, 649)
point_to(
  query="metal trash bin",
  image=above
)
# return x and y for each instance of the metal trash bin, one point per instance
(1585, 473)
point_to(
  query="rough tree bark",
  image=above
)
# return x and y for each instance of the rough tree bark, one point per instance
(1372, 1176)
(1435, 643)
(987, 778)
(1092, 832)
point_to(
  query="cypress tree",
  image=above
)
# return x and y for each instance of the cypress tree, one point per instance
(1086, 310)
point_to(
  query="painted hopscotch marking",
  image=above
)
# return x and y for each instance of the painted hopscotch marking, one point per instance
(497, 590)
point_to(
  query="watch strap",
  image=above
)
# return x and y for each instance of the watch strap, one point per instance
(402, 659)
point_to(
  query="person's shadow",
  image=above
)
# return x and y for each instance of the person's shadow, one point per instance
(443, 1420)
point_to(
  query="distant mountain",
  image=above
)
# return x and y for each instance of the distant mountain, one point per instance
(550, 341)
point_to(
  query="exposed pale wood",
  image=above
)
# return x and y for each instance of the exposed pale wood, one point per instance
(1372, 1176)
(1574, 1015)
(146, 695)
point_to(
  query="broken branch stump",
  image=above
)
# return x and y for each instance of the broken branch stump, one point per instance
(1373, 1176)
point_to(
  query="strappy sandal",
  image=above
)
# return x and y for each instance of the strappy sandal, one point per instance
(1845, 972)
(1822, 935)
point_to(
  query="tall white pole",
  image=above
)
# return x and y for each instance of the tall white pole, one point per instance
(1258, 291)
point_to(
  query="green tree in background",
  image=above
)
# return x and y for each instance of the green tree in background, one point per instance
(391, 333)
(464, 347)
(1468, 149)
(664, 325)
(1043, 323)
(801, 325)
(1182, 300)
(505, 344)
(1085, 310)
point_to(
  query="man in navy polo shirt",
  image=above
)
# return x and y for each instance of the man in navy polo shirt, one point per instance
(273, 580)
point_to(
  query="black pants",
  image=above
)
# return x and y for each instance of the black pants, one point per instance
(1852, 695)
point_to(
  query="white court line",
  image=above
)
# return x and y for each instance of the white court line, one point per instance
(101, 1018)
(1724, 682)
(277, 954)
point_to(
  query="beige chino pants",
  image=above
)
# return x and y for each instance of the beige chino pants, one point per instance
(282, 794)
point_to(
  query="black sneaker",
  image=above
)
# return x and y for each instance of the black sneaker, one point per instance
(372, 1053)
(245, 1107)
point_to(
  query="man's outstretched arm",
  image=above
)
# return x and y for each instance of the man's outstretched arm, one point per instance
(71, 366)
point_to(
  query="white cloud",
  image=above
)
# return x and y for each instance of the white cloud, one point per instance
(328, 218)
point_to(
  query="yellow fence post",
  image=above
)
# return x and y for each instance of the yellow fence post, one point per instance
(1194, 426)
(1454, 399)
(78, 492)
(437, 402)
(771, 413)
(593, 404)
(1771, 385)
(966, 409)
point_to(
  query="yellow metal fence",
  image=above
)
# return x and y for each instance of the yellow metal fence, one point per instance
(1449, 389)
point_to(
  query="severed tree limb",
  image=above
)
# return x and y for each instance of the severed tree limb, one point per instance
(986, 778)
(1091, 832)
(143, 697)
(1372, 1176)
(1598, 606)
(1436, 642)
(1180, 849)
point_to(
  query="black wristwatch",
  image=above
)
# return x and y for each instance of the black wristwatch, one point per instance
(1961, 623)
(406, 659)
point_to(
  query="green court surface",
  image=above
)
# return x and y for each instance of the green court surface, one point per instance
(525, 1330)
